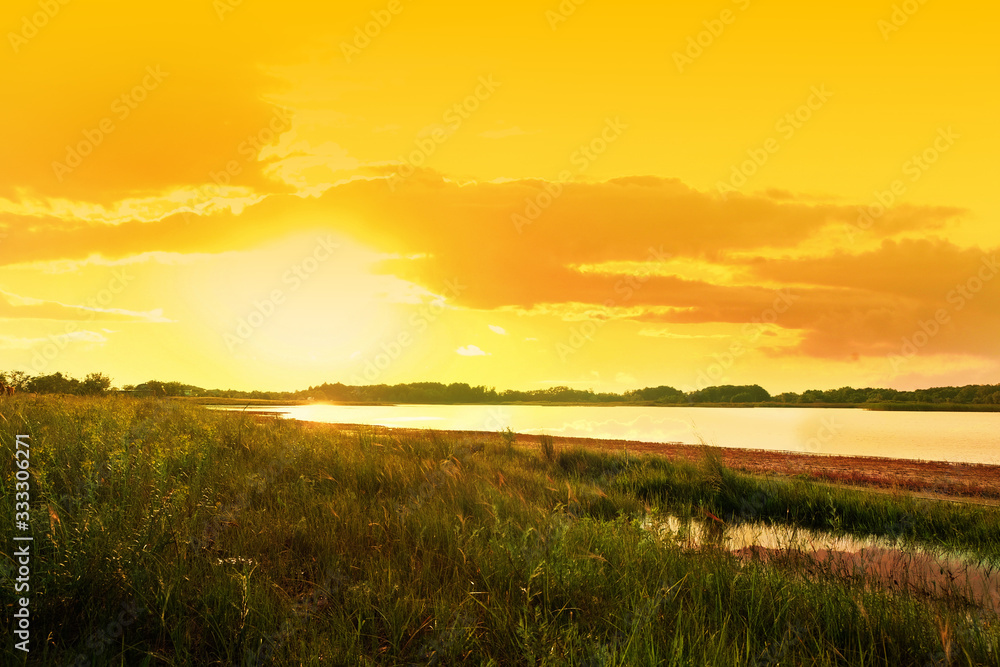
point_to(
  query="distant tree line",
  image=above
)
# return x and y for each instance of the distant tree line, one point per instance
(57, 383)
(436, 392)
(461, 392)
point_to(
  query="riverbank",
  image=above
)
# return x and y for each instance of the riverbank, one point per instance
(960, 482)
(235, 539)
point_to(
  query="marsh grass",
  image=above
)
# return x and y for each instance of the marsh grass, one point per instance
(690, 489)
(250, 541)
(548, 448)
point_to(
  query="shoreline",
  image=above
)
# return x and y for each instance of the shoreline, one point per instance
(874, 407)
(936, 480)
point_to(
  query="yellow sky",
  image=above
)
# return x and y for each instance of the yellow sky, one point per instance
(610, 195)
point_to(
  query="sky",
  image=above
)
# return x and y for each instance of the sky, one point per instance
(255, 195)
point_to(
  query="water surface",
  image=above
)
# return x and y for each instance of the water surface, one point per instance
(891, 563)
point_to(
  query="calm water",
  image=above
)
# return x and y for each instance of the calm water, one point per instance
(896, 564)
(936, 436)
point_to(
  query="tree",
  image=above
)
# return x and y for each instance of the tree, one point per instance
(725, 393)
(663, 394)
(57, 383)
(18, 380)
(95, 384)
(966, 395)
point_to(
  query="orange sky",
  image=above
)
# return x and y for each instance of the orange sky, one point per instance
(235, 193)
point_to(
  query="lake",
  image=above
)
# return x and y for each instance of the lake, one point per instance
(970, 437)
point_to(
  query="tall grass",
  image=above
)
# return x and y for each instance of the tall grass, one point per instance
(689, 488)
(251, 541)
(548, 447)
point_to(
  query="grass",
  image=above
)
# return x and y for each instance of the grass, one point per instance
(689, 489)
(860, 478)
(547, 445)
(235, 540)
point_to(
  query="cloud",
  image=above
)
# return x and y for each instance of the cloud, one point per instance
(448, 224)
(912, 268)
(206, 110)
(72, 265)
(666, 333)
(497, 330)
(467, 231)
(13, 306)
(733, 255)
(870, 304)
(471, 351)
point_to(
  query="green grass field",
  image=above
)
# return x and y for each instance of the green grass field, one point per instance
(168, 534)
